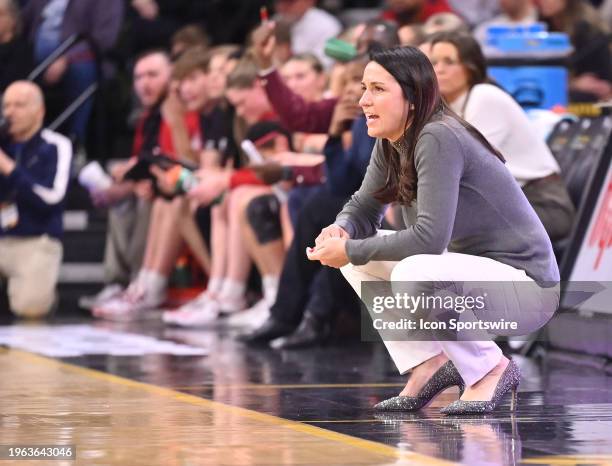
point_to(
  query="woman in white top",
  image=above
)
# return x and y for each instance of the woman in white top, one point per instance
(461, 71)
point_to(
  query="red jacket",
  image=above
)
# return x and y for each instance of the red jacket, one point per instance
(294, 112)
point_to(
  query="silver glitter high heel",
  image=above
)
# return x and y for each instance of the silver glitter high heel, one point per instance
(446, 376)
(508, 382)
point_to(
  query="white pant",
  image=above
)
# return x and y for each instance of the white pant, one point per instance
(32, 267)
(473, 359)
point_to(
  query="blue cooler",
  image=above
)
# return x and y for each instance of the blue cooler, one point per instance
(530, 64)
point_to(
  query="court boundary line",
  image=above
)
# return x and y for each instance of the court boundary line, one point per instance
(368, 445)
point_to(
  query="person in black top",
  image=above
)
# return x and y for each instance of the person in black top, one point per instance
(590, 63)
(15, 54)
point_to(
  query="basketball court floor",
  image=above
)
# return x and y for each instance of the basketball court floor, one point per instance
(139, 394)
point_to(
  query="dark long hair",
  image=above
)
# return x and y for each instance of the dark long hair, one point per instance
(415, 75)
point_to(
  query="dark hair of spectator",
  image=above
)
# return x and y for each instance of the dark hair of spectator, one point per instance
(417, 78)
(228, 50)
(243, 76)
(577, 11)
(191, 35)
(198, 58)
(469, 52)
(147, 53)
(309, 58)
(195, 58)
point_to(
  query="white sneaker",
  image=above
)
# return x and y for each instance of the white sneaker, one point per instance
(195, 304)
(253, 317)
(105, 294)
(197, 313)
(129, 305)
(231, 305)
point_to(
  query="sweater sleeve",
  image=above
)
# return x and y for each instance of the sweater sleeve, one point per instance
(363, 213)
(295, 113)
(439, 167)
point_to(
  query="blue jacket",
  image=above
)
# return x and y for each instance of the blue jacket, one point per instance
(346, 169)
(38, 184)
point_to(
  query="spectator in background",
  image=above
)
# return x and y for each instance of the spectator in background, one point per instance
(414, 11)
(15, 54)
(130, 203)
(377, 31)
(514, 13)
(202, 76)
(308, 294)
(293, 111)
(34, 172)
(245, 91)
(187, 37)
(462, 76)
(304, 75)
(152, 23)
(49, 22)
(605, 10)
(411, 35)
(444, 22)
(475, 12)
(591, 64)
(310, 27)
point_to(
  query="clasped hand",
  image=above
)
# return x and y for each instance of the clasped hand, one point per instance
(330, 247)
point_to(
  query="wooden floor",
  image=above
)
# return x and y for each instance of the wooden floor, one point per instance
(240, 406)
(117, 421)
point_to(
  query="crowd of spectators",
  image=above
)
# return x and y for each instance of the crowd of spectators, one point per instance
(247, 138)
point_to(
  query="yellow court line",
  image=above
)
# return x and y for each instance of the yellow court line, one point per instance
(571, 460)
(367, 445)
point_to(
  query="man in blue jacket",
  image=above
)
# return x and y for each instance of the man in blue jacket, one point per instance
(34, 172)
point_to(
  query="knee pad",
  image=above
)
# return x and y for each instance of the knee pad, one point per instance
(263, 214)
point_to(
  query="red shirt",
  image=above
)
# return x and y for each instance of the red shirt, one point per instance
(164, 139)
(430, 8)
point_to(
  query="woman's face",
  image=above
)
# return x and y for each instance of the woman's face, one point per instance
(302, 79)
(550, 8)
(217, 75)
(383, 103)
(453, 78)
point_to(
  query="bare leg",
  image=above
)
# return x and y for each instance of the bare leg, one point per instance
(268, 257)
(218, 241)
(286, 225)
(152, 235)
(239, 261)
(169, 240)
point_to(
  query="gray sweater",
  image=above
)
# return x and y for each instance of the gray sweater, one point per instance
(467, 201)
